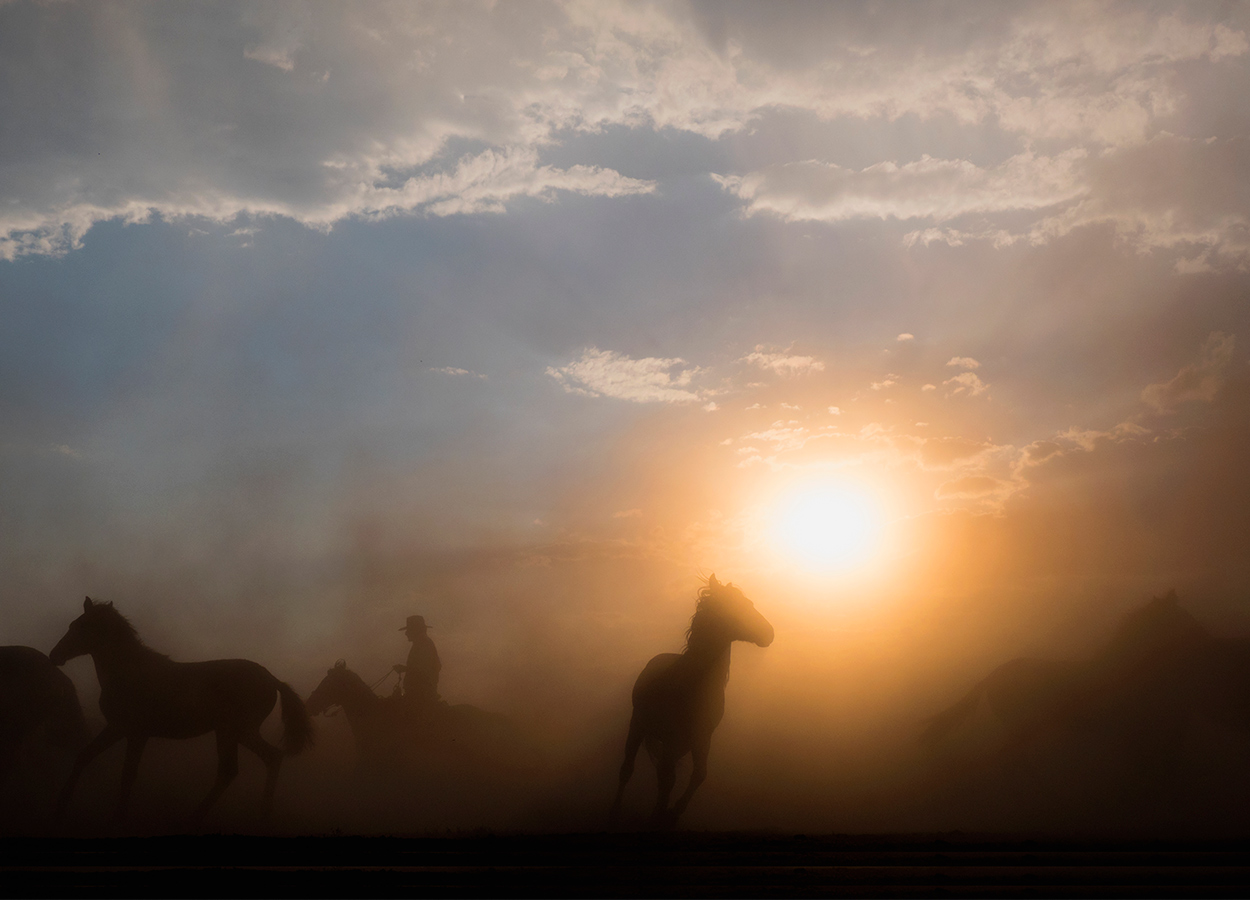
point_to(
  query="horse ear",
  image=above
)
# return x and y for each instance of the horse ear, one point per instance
(712, 582)
(86, 605)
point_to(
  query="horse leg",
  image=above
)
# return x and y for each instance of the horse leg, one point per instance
(227, 769)
(101, 742)
(697, 776)
(271, 756)
(666, 775)
(134, 751)
(632, 743)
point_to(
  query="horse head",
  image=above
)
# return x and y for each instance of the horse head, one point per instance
(98, 626)
(725, 612)
(334, 689)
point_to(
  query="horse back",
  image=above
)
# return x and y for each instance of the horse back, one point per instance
(186, 699)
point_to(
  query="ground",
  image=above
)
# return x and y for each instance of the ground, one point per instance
(683, 864)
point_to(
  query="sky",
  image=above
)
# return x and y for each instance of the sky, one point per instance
(528, 316)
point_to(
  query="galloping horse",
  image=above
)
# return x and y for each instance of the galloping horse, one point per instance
(390, 733)
(144, 694)
(679, 698)
(34, 692)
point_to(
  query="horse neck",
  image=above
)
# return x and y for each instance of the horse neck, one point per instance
(358, 700)
(117, 659)
(709, 655)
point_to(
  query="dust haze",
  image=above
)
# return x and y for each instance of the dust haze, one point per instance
(527, 319)
(822, 728)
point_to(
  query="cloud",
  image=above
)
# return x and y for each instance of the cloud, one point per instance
(605, 373)
(486, 182)
(942, 453)
(1040, 451)
(322, 113)
(452, 370)
(888, 381)
(906, 337)
(782, 362)
(1197, 382)
(937, 189)
(482, 183)
(1088, 439)
(969, 382)
(1171, 194)
(964, 362)
(315, 114)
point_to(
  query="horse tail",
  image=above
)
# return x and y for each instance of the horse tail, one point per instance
(297, 726)
(942, 724)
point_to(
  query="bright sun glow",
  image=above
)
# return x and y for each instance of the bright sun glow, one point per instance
(827, 527)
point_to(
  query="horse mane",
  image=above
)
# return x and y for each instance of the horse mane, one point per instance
(704, 609)
(120, 627)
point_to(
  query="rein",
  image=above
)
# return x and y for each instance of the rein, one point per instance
(335, 708)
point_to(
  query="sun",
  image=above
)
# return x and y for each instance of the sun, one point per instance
(827, 526)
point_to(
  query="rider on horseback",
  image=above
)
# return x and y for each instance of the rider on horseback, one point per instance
(421, 672)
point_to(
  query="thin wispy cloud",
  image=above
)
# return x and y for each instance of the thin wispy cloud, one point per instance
(452, 370)
(1197, 382)
(937, 189)
(782, 362)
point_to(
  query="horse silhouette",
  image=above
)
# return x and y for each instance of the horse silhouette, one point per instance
(144, 694)
(35, 693)
(1159, 669)
(679, 698)
(391, 733)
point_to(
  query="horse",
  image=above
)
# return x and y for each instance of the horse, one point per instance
(389, 732)
(34, 693)
(1159, 668)
(145, 694)
(679, 698)
(373, 720)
